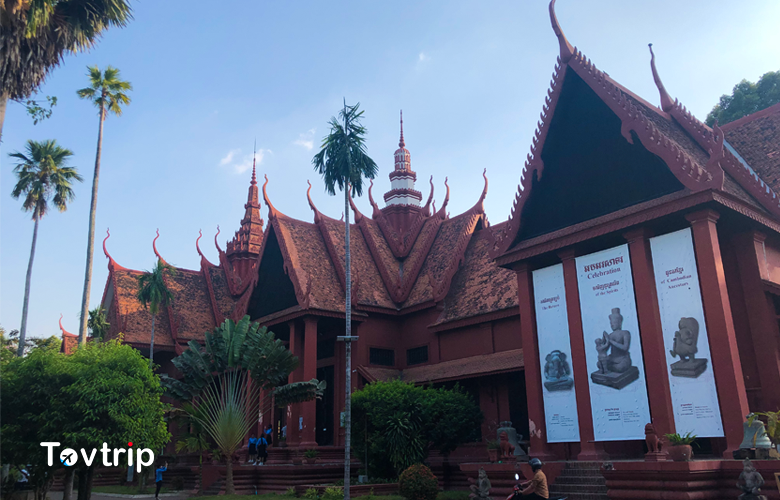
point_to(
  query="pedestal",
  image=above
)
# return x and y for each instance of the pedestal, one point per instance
(616, 380)
(690, 368)
(559, 385)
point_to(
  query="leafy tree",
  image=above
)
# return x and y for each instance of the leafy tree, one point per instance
(153, 293)
(398, 423)
(42, 175)
(225, 379)
(747, 98)
(97, 324)
(343, 163)
(106, 91)
(195, 440)
(34, 37)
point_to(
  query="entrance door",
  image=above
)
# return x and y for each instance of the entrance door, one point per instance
(325, 427)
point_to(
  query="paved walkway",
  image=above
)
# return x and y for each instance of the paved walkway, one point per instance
(57, 495)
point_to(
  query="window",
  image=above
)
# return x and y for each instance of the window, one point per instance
(417, 355)
(382, 357)
(326, 348)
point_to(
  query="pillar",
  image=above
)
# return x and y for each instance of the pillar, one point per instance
(761, 316)
(293, 411)
(538, 446)
(308, 409)
(589, 449)
(726, 365)
(649, 315)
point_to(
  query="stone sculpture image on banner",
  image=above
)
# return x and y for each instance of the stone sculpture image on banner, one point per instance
(691, 381)
(552, 329)
(613, 347)
(614, 361)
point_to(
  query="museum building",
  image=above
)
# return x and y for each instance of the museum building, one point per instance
(636, 282)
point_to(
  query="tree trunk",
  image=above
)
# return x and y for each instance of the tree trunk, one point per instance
(229, 488)
(200, 474)
(151, 347)
(4, 96)
(23, 328)
(91, 233)
(85, 483)
(348, 347)
(67, 492)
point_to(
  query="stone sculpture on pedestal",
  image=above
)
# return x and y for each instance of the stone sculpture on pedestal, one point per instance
(480, 489)
(685, 346)
(513, 438)
(557, 372)
(750, 482)
(614, 362)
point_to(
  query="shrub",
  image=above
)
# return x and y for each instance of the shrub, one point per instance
(418, 483)
(290, 492)
(311, 494)
(333, 493)
(680, 439)
(312, 453)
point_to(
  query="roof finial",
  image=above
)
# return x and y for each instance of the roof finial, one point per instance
(154, 246)
(254, 164)
(401, 143)
(667, 103)
(112, 265)
(567, 51)
(216, 243)
(272, 212)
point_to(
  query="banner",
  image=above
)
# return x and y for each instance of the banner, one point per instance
(691, 380)
(613, 350)
(552, 330)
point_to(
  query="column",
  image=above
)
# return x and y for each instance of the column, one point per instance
(291, 421)
(649, 316)
(308, 410)
(589, 449)
(720, 327)
(761, 315)
(538, 446)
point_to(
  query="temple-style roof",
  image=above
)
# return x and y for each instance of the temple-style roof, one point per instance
(756, 139)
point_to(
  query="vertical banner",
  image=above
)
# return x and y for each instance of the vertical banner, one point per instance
(691, 380)
(552, 330)
(613, 350)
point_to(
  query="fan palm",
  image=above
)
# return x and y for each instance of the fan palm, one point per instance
(34, 36)
(225, 380)
(42, 176)
(153, 293)
(106, 91)
(195, 440)
(343, 163)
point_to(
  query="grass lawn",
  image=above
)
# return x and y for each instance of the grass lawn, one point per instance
(130, 490)
(444, 495)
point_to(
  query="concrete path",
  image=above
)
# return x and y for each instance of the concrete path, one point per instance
(183, 495)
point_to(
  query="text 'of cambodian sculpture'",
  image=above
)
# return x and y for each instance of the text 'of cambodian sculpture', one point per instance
(557, 372)
(614, 361)
(686, 340)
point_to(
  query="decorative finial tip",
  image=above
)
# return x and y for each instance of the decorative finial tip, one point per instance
(401, 143)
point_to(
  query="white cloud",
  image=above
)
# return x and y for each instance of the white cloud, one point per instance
(242, 163)
(423, 58)
(306, 140)
(229, 157)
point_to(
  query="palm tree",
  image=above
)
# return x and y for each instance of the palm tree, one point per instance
(343, 162)
(153, 293)
(107, 92)
(98, 324)
(42, 176)
(35, 36)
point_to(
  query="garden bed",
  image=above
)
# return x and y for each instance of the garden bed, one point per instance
(355, 490)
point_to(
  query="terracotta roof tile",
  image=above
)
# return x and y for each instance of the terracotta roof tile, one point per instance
(191, 305)
(757, 140)
(136, 322)
(222, 295)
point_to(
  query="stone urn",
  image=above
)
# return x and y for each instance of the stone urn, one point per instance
(680, 452)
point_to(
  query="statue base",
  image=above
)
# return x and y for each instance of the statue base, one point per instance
(657, 456)
(751, 496)
(559, 385)
(615, 380)
(689, 369)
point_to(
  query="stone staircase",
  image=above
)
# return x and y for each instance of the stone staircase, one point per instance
(580, 481)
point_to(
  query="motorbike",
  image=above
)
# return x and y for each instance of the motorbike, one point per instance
(516, 492)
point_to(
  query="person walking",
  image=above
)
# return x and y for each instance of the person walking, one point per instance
(158, 479)
(252, 454)
(262, 450)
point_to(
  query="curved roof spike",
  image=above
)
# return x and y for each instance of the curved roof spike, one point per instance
(112, 265)
(311, 203)
(216, 243)
(342, 216)
(197, 247)
(430, 199)
(154, 246)
(272, 212)
(485, 189)
(567, 51)
(666, 101)
(441, 211)
(358, 215)
(371, 200)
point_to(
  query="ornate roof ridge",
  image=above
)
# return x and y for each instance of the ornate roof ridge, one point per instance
(112, 265)
(66, 333)
(154, 246)
(203, 259)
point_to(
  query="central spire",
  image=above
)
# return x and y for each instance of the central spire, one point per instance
(402, 178)
(246, 242)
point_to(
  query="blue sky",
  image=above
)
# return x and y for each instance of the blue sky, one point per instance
(470, 76)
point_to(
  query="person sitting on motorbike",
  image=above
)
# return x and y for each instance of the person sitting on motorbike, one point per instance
(536, 488)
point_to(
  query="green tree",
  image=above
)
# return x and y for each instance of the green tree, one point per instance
(225, 379)
(97, 324)
(343, 163)
(195, 440)
(746, 98)
(153, 293)
(42, 176)
(397, 423)
(35, 36)
(107, 91)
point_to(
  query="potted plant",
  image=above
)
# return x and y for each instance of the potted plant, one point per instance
(492, 448)
(771, 428)
(310, 456)
(680, 449)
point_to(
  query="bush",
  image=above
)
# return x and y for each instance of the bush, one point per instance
(178, 483)
(333, 493)
(418, 483)
(311, 494)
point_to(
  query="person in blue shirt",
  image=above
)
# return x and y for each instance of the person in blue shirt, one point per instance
(252, 458)
(158, 478)
(262, 449)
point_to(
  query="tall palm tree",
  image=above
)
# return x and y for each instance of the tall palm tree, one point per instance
(106, 91)
(98, 324)
(343, 162)
(153, 293)
(42, 175)
(34, 37)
